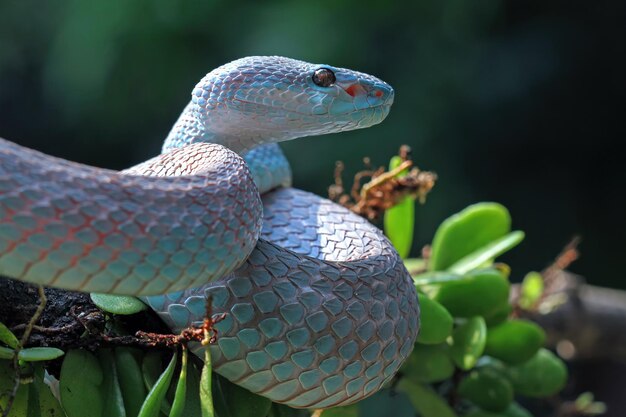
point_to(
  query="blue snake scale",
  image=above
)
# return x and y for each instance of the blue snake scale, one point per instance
(320, 310)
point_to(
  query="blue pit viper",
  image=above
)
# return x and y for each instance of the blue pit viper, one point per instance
(321, 311)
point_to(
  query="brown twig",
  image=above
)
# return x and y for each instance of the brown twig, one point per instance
(384, 189)
(553, 280)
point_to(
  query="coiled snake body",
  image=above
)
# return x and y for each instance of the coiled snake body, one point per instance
(320, 309)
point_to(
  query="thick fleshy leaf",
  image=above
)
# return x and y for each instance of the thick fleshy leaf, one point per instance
(151, 369)
(206, 393)
(514, 341)
(130, 379)
(398, 223)
(514, 410)
(7, 337)
(532, 289)
(6, 353)
(113, 400)
(347, 411)
(466, 232)
(541, 376)
(499, 316)
(80, 385)
(415, 265)
(49, 406)
(192, 402)
(35, 354)
(428, 363)
(21, 401)
(400, 219)
(180, 395)
(487, 389)
(487, 253)
(152, 405)
(480, 293)
(435, 321)
(118, 304)
(429, 281)
(494, 365)
(231, 400)
(468, 342)
(426, 401)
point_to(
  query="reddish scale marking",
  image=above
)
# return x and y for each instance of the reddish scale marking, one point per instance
(354, 89)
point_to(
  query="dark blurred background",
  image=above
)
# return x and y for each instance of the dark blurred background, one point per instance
(520, 102)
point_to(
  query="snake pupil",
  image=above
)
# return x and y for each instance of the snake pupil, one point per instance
(324, 77)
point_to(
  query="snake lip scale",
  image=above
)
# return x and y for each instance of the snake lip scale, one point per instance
(320, 310)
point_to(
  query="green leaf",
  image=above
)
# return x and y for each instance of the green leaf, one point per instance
(428, 363)
(113, 401)
(514, 410)
(151, 368)
(541, 376)
(130, 379)
(80, 385)
(586, 404)
(118, 304)
(415, 265)
(181, 388)
(426, 401)
(347, 411)
(487, 389)
(400, 219)
(427, 279)
(466, 232)
(479, 293)
(34, 409)
(514, 341)
(6, 353)
(7, 337)
(35, 354)
(532, 289)
(499, 316)
(192, 403)
(231, 400)
(49, 406)
(487, 253)
(494, 365)
(435, 322)
(206, 396)
(20, 403)
(152, 405)
(468, 343)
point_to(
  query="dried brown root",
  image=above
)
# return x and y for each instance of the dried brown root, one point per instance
(91, 324)
(384, 189)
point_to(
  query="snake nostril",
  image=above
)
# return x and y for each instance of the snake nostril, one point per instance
(378, 93)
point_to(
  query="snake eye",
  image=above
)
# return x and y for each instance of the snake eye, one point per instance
(324, 77)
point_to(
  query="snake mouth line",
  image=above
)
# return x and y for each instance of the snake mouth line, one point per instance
(370, 108)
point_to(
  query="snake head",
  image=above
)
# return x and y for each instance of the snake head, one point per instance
(272, 99)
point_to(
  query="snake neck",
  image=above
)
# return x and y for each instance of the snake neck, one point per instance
(196, 124)
(268, 165)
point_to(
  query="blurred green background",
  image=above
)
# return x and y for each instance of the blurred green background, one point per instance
(519, 102)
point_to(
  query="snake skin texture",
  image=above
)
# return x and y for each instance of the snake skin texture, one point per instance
(87, 229)
(320, 310)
